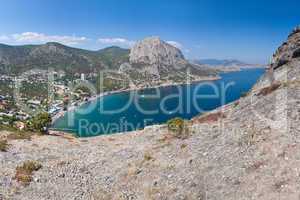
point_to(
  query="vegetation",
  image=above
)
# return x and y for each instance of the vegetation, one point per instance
(6, 87)
(25, 171)
(38, 90)
(3, 145)
(9, 120)
(114, 56)
(179, 127)
(111, 82)
(148, 157)
(72, 60)
(236, 104)
(41, 121)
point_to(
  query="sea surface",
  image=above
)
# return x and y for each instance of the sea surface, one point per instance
(128, 111)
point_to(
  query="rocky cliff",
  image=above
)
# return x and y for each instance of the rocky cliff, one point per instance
(153, 51)
(288, 51)
(159, 62)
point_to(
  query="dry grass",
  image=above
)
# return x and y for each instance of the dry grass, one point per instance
(213, 117)
(236, 104)
(19, 136)
(3, 145)
(148, 157)
(25, 171)
(183, 146)
(268, 90)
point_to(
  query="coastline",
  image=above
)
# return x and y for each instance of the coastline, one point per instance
(166, 84)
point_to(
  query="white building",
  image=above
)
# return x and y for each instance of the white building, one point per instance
(82, 77)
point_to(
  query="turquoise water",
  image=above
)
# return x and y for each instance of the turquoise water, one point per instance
(128, 111)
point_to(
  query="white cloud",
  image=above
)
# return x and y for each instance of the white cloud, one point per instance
(32, 37)
(116, 41)
(4, 38)
(175, 44)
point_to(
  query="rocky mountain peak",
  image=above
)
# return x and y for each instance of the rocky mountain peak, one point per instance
(154, 51)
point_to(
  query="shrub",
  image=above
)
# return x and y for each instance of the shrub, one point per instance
(179, 127)
(3, 145)
(41, 121)
(25, 171)
(183, 146)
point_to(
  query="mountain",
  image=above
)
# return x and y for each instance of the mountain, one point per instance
(17, 59)
(216, 62)
(154, 51)
(157, 61)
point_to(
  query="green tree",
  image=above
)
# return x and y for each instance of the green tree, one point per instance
(41, 121)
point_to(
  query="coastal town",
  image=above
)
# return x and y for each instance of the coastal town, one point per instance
(33, 92)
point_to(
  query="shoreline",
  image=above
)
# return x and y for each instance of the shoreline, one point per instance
(72, 108)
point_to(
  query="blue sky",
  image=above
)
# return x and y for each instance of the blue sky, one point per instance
(246, 30)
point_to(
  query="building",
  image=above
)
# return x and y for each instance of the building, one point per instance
(34, 103)
(82, 77)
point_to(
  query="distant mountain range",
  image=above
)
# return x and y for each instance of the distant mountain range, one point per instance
(216, 62)
(222, 63)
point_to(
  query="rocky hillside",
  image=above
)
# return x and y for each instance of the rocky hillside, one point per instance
(246, 150)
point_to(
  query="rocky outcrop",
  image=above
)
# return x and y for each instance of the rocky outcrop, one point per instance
(158, 62)
(288, 50)
(153, 51)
